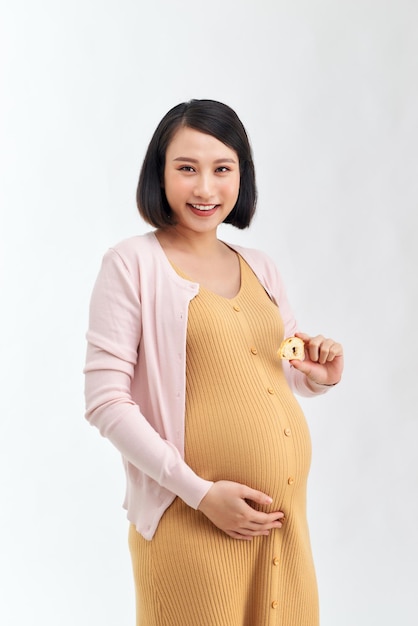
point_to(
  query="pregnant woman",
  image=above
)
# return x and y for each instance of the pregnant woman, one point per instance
(183, 377)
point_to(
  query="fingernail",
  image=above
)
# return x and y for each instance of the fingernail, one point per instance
(269, 500)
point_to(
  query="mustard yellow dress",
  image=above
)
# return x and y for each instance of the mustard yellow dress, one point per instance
(243, 424)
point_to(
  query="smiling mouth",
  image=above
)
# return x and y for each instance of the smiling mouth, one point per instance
(204, 207)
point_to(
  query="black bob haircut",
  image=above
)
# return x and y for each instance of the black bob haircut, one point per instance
(210, 117)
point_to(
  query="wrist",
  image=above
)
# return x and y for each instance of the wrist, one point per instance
(314, 383)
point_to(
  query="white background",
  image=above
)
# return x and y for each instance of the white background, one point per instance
(328, 92)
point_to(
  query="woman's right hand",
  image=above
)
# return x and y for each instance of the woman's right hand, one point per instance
(225, 504)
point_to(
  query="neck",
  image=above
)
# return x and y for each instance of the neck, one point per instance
(199, 244)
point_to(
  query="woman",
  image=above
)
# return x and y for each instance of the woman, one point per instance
(182, 375)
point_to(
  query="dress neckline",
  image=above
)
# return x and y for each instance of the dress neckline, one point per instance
(202, 287)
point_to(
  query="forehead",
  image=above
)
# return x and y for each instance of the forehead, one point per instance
(189, 142)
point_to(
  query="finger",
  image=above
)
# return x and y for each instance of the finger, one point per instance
(329, 350)
(318, 349)
(336, 350)
(256, 496)
(324, 350)
(260, 529)
(321, 349)
(252, 526)
(257, 528)
(302, 366)
(314, 347)
(259, 521)
(264, 519)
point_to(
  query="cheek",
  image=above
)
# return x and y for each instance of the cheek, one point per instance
(175, 186)
(232, 188)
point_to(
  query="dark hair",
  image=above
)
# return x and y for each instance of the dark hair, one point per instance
(212, 118)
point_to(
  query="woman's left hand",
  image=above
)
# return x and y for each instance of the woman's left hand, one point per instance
(324, 361)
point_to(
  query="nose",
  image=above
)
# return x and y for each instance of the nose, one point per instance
(204, 186)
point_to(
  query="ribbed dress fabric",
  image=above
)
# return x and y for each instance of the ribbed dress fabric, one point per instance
(243, 424)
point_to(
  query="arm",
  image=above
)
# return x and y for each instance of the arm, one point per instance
(113, 338)
(323, 364)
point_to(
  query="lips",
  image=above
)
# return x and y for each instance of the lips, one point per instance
(204, 210)
(204, 207)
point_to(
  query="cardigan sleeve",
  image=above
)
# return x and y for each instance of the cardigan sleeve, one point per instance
(113, 337)
(298, 382)
(296, 379)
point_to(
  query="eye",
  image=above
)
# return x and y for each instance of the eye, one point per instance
(222, 169)
(186, 168)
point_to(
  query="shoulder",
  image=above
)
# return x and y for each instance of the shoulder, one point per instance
(262, 264)
(128, 259)
(136, 246)
(257, 257)
(133, 251)
(140, 260)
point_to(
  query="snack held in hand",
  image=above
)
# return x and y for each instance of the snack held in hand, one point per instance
(292, 348)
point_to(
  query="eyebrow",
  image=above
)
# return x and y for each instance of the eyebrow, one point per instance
(181, 158)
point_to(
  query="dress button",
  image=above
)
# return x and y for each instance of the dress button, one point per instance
(253, 350)
(236, 308)
(290, 480)
(276, 560)
(270, 390)
(287, 432)
(274, 604)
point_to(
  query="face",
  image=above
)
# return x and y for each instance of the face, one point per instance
(201, 180)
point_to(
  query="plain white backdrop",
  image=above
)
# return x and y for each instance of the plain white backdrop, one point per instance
(328, 92)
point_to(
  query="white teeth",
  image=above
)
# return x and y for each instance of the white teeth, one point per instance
(204, 207)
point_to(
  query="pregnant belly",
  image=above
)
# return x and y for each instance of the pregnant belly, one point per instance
(266, 450)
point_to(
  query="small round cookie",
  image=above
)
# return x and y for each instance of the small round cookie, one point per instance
(292, 348)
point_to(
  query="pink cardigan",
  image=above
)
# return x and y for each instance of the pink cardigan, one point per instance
(135, 370)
